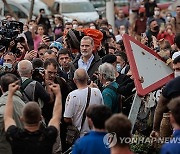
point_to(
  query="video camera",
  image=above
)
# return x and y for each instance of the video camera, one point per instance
(9, 31)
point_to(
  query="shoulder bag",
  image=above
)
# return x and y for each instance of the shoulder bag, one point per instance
(72, 132)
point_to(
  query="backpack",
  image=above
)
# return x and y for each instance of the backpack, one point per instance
(119, 96)
(28, 92)
(25, 96)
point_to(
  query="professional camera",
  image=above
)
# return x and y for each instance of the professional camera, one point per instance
(9, 31)
(38, 74)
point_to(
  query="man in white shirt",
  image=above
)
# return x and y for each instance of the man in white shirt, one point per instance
(77, 99)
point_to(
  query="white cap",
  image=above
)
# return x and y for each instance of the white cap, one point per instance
(176, 54)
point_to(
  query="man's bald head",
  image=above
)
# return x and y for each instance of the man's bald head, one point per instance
(32, 113)
(81, 75)
(25, 68)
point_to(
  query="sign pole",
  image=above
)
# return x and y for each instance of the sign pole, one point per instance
(134, 110)
(110, 12)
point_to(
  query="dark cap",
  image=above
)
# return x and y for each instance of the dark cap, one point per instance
(109, 59)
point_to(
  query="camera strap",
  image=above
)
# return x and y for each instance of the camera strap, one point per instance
(25, 83)
(87, 104)
(23, 86)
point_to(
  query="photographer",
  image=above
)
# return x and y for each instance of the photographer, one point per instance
(32, 89)
(38, 70)
(9, 31)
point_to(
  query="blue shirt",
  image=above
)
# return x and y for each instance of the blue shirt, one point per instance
(173, 147)
(110, 98)
(82, 64)
(91, 143)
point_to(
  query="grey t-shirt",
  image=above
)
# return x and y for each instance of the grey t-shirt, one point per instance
(121, 22)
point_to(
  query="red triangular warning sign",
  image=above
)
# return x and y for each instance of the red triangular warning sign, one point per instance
(147, 66)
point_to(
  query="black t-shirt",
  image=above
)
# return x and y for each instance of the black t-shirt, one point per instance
(24, 142)
(29, 38)
(121, 78)
(46, 23)
(172, 89)
(149, 35)
(47, 109)
(150, 8)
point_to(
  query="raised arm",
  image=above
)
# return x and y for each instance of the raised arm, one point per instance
(158, 115)
(8, 114)
(33, 32)
(160, 109)
(57, 110)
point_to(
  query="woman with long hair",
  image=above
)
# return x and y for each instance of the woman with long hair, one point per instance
(21, 48)
(38, 37)
(59, 27)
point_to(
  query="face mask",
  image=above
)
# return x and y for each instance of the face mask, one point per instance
(141, 15)
(75, 26)
(169, 31)
(110, 30)
(7, 65)
(43, 15)
(168, 18)
(30, 27)
(92, 27)
(122, 32)
(156, 13)
(176, 73)
(118, 67)
(156, 28)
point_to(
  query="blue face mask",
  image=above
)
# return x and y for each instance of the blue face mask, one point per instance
(7, 66)
(118, 67)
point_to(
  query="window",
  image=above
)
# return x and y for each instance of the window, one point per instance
(77, 7)
(36, 8)
(16, 10)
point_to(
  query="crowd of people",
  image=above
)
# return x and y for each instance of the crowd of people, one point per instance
(65, 86)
